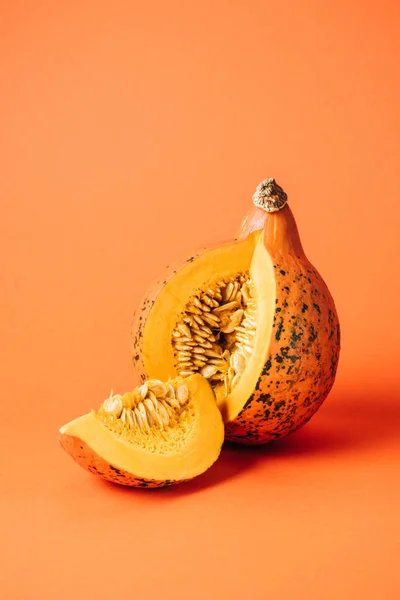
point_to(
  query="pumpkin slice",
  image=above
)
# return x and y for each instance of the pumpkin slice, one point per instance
(157, 435)
(255, 318)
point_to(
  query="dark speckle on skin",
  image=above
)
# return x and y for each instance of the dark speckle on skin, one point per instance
(295, 337)
(313, 334)
(279, 330)
(317, 308)
(279, 405)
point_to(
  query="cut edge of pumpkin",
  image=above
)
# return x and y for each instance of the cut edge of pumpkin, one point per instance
(171, 300)
(248, 255)
(264, 289)
(101, 445)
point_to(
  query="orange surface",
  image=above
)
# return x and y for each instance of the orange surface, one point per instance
(130, 133)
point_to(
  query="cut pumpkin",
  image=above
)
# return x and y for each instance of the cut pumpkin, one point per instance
(254, 317)
(157, 435)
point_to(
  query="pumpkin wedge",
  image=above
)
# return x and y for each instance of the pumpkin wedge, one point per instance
(157, 435)
(254, 317)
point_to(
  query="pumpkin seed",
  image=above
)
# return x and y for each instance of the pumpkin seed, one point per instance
(227, 291)
(113, 405)
(198, 320)
(208, 371)
(245, 293)
(218, 377)
(233, 321)
(212, 354)
(142, 411)
(234, 291)
(199, 350)
(183, 347)
(130, 419)
(238, 362)
(182, 394)
(201, 334)
(164, 414)
(149, 407)
(199, 363)
(225, 307)
(184, 329)
(206, 300)
(173, 402)
(139, 419)
(194, 310)
(143, 390)
(188, 364)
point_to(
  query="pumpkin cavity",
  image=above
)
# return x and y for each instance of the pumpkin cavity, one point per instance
(157, 416)
(214, 334)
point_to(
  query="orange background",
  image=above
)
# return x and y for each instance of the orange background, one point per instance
(129, 134)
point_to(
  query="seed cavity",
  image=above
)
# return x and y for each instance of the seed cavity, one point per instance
(152, 406)
(215, 333)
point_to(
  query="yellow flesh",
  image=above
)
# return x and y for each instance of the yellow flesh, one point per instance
(262, 275)
(172, 299)
(248, 255)
(170, 460)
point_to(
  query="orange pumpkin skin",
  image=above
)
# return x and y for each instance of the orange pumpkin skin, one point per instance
(303, 354)
(95, 464)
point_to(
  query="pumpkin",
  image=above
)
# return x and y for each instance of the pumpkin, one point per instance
(159, 434)
(253, 317)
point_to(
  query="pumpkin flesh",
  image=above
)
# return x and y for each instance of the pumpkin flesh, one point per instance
(154, 458)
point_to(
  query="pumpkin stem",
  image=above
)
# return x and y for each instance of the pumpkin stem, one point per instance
(269, 196)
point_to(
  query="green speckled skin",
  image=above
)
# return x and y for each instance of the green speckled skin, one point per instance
(89, 460)
(302, 358)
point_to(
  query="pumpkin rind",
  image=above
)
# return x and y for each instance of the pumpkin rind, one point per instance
(302, 360)
(95, 464)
